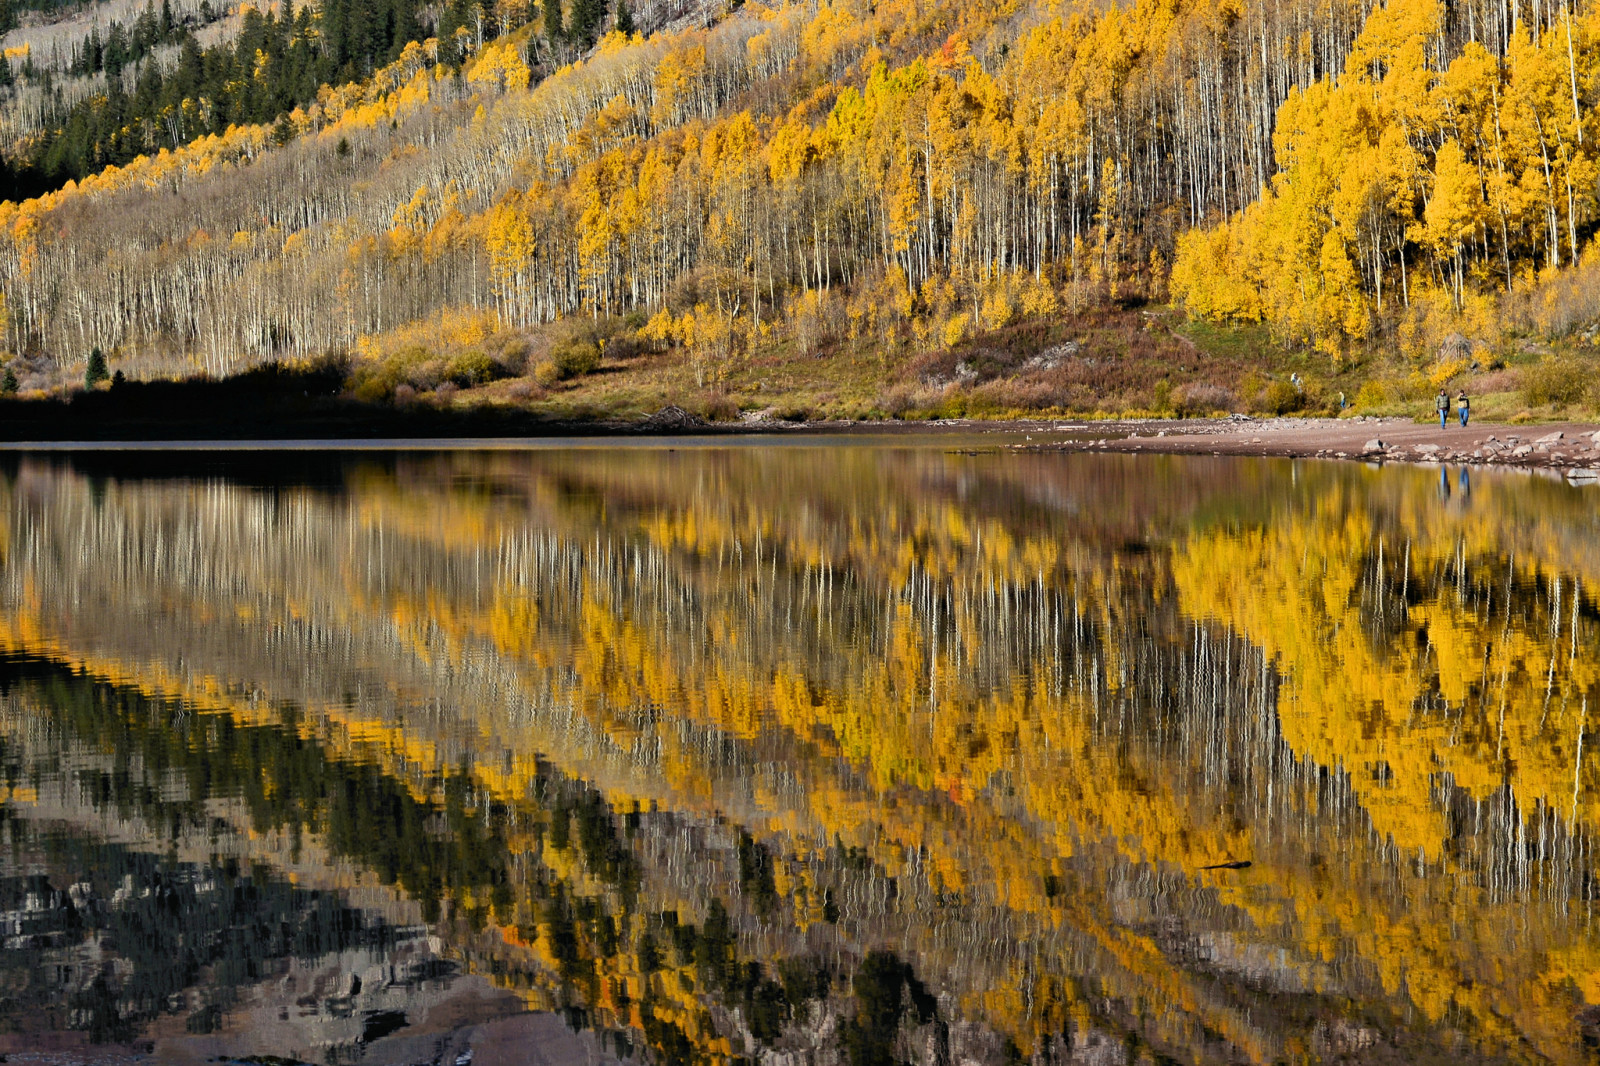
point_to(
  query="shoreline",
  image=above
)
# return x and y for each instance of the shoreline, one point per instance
(301, 423)
(1568, 448)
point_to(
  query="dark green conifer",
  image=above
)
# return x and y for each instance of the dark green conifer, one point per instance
(95, 372)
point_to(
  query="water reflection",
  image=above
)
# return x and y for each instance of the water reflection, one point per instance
(904, 754)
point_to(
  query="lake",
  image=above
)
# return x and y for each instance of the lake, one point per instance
(840, 751)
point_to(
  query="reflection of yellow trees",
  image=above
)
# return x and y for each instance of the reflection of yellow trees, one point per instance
(913, 715)
(1479, 683)
(1463, 688)
(970, 694)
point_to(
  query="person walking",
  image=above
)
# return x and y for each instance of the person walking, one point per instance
(1442, 404)
(1463, 407)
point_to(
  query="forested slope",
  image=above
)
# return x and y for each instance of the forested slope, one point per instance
(891, 181)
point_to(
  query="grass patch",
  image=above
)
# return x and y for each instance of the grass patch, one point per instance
(1107, 362)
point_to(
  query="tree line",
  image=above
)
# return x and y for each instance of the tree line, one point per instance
(279, 59)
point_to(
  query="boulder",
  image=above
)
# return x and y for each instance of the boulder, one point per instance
(1550, 438)
(1373, 445)
(1457, 346)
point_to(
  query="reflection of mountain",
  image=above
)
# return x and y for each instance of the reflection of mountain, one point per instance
(648, 740)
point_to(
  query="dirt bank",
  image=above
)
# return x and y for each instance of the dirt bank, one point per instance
(1570, 447)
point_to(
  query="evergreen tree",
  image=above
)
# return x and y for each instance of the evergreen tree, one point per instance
(146, 33)
(190, 72)
(304, 48)
(586, 18)
(116, 52)
(6, 78)
(95, 372)
(8, 383)
(553, 28)
(93, 52)
(624, 24)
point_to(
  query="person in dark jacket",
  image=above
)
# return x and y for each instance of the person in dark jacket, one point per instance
(1463, 407)
(1442, 404)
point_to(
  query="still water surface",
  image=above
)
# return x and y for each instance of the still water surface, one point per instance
(853, 754)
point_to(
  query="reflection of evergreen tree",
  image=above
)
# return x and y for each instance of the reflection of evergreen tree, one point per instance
(887, 991)
(450, 850)
(171, 924)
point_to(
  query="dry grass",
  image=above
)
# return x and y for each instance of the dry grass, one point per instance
(1105, 362)
(1109, 361)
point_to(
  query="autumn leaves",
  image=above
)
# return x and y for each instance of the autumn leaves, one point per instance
(1414, 170)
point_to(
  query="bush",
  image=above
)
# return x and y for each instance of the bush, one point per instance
(547, 373)
(375, 382)
(718, 407)
(1280, 397)
(1557, 382)
(576, 358)
(1505, 380)
(513, 358)
(470, 368)
(1199, 398)
(1373, 393)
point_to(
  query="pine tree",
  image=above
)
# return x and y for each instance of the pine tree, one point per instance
(95, 372)
(116, 53)
(8, 383)
(624, 23)
(586, 18)
(93, 52)
(552, 20)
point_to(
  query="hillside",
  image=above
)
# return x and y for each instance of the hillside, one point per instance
(906, 208)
